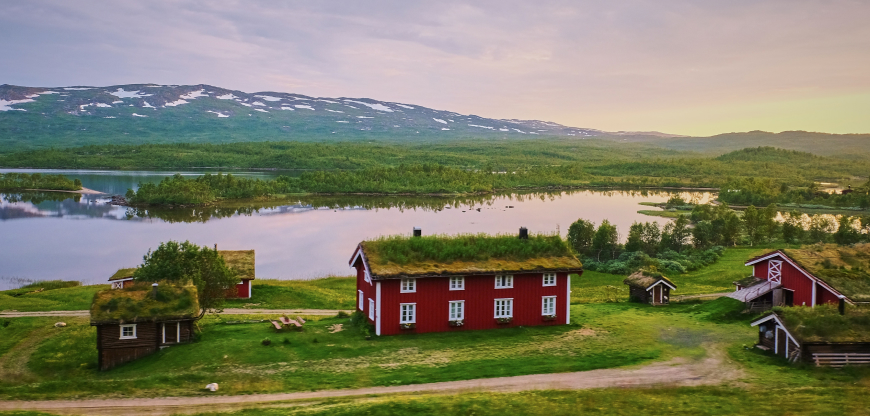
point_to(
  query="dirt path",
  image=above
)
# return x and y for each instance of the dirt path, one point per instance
(233, 311)
(712, 370)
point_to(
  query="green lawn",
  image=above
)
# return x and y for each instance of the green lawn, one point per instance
(324, 293)
(63, 299)
(61, 362)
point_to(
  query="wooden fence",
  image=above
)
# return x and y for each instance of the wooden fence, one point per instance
(831, 359)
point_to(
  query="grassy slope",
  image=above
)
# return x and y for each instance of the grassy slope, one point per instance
(325, 293)
(612, 335)
(64, 299)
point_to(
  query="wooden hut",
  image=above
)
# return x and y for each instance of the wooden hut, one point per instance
(649, 287)
(140, 319)
(826, 335)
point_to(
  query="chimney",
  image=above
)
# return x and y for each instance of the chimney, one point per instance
(842, 306)
(418, 232)
(524, 233)
(154, 290)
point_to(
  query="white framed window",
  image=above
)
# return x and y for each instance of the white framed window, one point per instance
(362, 299)
(128, 331)
(504, 308)
(504, 281)
(774, 271)
(408, 313)
(457, 283)
(548, 305)
(549, 279)
(457, 310)
(371, 309)
(409, 285)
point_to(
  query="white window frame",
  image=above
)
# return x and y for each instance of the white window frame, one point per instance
(409, 285)
(774, 271)
(549, 279)
(362, 300)
(457, 283)
(547, 310)
(413, 309)
(451, 315)
(130, 326)
(509, 303)
(371, 309)
(504, 281)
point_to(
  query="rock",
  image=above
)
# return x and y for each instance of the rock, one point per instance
(60, 324)
(212, 387)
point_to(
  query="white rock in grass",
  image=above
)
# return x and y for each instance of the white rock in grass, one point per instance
(212, 387)
(60, 324)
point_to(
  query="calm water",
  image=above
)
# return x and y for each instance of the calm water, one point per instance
(62, 237)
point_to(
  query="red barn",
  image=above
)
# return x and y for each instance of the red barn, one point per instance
(431, 284)
(809, 276)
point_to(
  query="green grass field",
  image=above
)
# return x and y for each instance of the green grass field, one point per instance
(62, 299)
(324, 293)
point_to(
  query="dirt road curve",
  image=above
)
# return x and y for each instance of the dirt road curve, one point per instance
(678, 372)
(325, 312)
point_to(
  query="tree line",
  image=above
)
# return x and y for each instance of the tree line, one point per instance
(14, 181)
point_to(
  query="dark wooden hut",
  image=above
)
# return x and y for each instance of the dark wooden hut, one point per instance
(140, 319)
(649, 287)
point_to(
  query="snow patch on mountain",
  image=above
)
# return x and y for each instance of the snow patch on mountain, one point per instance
(404, 106)
(176, 103)
(193, 94)
(439, 120)
(307, 107)
(268, 97)
(138, 115)
(379, 107)
(229, 96)
(219, 114)
(5, 105)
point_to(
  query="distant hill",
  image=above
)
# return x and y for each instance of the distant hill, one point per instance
(841, 145)
(768, 154)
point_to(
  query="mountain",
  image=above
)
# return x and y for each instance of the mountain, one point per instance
(33, 117)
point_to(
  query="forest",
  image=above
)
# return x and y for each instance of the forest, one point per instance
(13, 181)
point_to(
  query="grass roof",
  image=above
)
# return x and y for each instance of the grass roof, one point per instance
(241, 261)
(645, 279)
(435, 255)
(122, 274)
(823, 323)
(845, 268)
(136, 304)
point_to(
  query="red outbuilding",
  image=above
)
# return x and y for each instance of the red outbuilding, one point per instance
(433, 284)
(808, 276)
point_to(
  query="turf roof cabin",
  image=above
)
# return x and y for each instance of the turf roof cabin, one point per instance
(809, 276)
(649, 287)
(241, 261)
(140, 318)
(822, 335)
(453, 283)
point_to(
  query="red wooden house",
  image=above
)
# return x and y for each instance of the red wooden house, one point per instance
(429, 292)
(809, 276)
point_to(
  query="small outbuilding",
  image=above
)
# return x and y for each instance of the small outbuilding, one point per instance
(140, 319)
(827, 335)
(649, 287)
(240, 261)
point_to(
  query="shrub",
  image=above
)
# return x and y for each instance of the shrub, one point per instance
(266, 341)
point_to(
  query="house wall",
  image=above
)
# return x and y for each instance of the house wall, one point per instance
(433, 295)
(114, 351)
(795, 280)
(637, 294)
(243, 289)
(367, 288)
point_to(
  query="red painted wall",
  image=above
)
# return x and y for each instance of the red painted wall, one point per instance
(433, 295)
(367, 288)
(242, 289)
(823, 295)
(794, 279)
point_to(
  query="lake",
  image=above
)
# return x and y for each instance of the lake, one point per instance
(72, 237)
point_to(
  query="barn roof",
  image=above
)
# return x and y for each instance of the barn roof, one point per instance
(644, 279)
(845, 268)
(466, 254)
(241, 261)
(136, 304)
(823, 323)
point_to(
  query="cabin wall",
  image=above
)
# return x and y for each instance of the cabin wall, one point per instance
(792, 278)
(433, 295)
(243, 289)
(368, 290)
(114, 351)
(823, 295)
(637, 294)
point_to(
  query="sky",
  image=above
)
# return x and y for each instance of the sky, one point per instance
(693, 67)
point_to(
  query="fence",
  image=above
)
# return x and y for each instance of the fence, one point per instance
(840, 359)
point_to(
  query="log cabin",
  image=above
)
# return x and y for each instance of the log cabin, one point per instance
(240, 261)
(415, 284)
(809, 276)
(826, 335)
(649, 287)
(140, 319)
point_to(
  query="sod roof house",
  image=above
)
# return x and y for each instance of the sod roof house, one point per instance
(809, 276)
(241, 261)
(827, 335)
(452, 283)
(648, 287)
(141, 318)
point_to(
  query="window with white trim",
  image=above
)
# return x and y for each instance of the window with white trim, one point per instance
(457, 310)
(504, 281)
(362, 299)
(371, 309)
(548, 306)
(549, 279)
(409, 285)
(774, 271)
(457, 283)
(128, 331)
(408, 313)
(504, 308)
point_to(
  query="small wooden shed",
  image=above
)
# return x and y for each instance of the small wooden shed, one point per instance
(826, 335)
(649, 287)
(140, 319)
